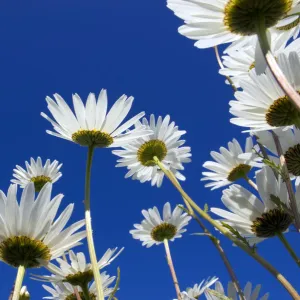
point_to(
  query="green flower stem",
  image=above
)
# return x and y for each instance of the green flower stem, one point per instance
(88, 224)
(85, 291)
(272, 63)
(287, 180)
(217, 244)
(290, 289)
(172, 269)
(288, 248)
(222, 67)
(19, 282)
(250, 182)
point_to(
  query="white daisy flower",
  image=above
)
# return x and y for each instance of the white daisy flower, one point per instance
(24, 294)
(65, 291)
(232, 294)
(29, 232)
(91, 125)
(164, 143)
(239, 63)
(253, 217)
(215, 22)
(228, 166)
(154, 230)
(198, 289)
(262, 105)
(37, 173)
(290, 143)
(77, 272)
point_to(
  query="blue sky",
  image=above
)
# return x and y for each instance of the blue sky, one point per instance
(129, 47)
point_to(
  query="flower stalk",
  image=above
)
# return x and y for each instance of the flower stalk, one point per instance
(272, 63)
(285, 283)
(288, 248)
(19, 282)
(88, 222)
(250, 182)
(172, 269)
(287, 180)
(85, 291)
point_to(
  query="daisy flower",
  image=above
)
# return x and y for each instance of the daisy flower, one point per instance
(77, 272)
(154, 230)
(255, 218)
(228, 166)
(65, 291)
(37, 173)
(92, 125)
(262, 105)
(198, 289)
(164, 143)
(29, 232)
(24, 294)
(239, 63)
(290, 143)
(215, 22)
(232, 294)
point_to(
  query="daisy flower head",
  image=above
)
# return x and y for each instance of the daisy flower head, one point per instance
(255, 218)
(92, 125)
(24, 294)
(214, 294)
(238, 63)
(154, 230)
(37, 173)
(228, 165)
(290, 143)
(198, 289)
(78, 271)
(215, 22)
(29, 231)
(262, 105)
(65, 291)
(164, 143)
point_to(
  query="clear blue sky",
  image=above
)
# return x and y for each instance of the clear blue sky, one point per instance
(129, 47)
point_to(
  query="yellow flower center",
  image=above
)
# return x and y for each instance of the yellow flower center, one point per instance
(93, 137)
(150, 149)
(292, 157)
(23, 251)
(73, 296)
(289, 26)
(80, 278)
(163, 231)
(238, 172)
(40, 181)
(242, 16)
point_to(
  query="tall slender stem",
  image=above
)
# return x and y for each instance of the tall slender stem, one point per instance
(222, 67)
(88, 224)
(288, 248)
(19, 282)
(272, 63)
(217, 244)
(286, 284)
(250, 182)
(172, 269)
(287, 180)
(12, 292)
(85, 291)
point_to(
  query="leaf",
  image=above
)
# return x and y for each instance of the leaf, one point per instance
(112, 295)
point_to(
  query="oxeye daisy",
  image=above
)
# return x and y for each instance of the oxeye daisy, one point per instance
(29, 232)
(215, 22)
(24, 294)
(154, 230)
(262, 105)
(78, 271)
(164, 143)
(37, 173)
(228, 166)
(218, 291)
(198, 289)
(255, 218)
(239, 63)
(290, 143)
(92, 125)
(65, 291)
